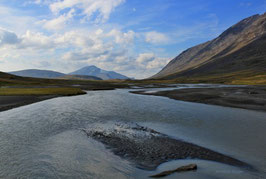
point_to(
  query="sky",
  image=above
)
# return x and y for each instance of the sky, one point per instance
(134, 37)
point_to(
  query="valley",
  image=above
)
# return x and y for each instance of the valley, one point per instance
(205, 108)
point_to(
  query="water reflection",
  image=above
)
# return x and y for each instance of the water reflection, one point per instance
(45, 139)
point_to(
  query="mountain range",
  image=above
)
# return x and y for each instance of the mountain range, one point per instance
(240, 50)
(37, 73)
(89, 73)
(95, 71)
(236, 56)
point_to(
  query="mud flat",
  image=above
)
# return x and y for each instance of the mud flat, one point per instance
(148, 148)
(251, 97)
(10, 102)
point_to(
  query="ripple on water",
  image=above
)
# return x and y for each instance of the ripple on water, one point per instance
(45, 139)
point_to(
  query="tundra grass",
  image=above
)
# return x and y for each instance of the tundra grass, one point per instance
(40, 91)
(236, 78)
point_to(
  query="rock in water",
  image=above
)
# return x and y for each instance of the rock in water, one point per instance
(180, 169)
(148, 148)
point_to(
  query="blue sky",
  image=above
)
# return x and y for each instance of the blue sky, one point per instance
(133, 37)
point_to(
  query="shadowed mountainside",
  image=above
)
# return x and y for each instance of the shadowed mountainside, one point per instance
(238, 52)
(80, 77)
(86, 73)
(35, 73)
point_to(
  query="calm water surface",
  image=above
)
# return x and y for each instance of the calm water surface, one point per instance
(45, 139)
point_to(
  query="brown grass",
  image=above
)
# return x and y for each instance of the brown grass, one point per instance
(40, 91)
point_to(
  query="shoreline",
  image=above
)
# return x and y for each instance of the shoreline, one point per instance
(11, 102)
(8, 102)
(250, 97)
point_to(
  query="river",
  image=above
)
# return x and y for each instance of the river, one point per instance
(45, 139)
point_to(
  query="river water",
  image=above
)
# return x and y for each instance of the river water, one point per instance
(45, 139)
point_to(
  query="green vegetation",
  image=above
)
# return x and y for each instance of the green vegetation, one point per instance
(36, 86)
(12, 80)
(259, 79)
(16, 85)
(235, 78)
(40, 91)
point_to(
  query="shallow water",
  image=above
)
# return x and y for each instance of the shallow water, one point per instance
(45, 139)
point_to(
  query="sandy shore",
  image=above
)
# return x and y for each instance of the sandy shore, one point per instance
(10, 102)
(251, 97)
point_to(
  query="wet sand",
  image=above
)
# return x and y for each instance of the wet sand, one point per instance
(251, 97)
(10, 102)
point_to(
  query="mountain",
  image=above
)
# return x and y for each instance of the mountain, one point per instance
(86, 73)
(5, 75)
(95, 71)
(80, 77)
(37, 73)
(240, 50)
(7, 79)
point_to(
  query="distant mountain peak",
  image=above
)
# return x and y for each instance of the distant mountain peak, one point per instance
(91, 66)
(98, 72)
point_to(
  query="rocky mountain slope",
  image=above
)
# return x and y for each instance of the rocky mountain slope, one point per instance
(241, 49)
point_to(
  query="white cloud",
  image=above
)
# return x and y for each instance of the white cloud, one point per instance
(75, 56)
(122, 37)
(28, 40)
(110, 50)
(154, 37)
(158, 63)
(101, 8)
(15, 20)
(83, 40)
(59, 22)
(38, 2)
(145, 58)
(36, 41)
(96, 45)
(151, 61)
(8, 38)
(44, 64)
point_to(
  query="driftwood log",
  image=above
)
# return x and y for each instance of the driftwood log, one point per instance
(180, 169)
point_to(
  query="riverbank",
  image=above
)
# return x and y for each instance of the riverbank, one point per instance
(10, 102)
(20, 95)
(250, 97)
(47, 138)
(246, 97)
(16, 97)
